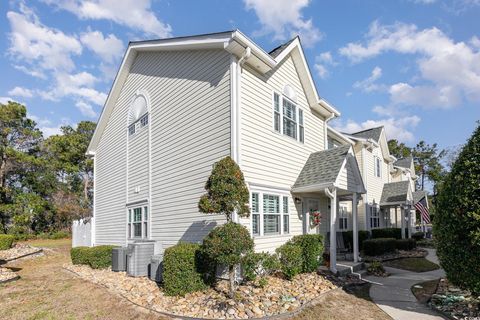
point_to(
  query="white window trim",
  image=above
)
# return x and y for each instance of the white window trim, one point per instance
(130, 209)
(376, 216)
(343, 210)
(260, 193)
(297, 108)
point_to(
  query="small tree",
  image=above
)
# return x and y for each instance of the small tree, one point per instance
(227, 194)
(226, 191)
(457, 220)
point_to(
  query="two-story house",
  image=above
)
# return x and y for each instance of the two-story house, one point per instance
(179, 105)
(390, 183)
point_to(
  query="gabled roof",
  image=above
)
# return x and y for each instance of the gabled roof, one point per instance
(337, 135)
(419, 195)
(404, 162)
(323, 168)
(372, 133)
(276, 51)
(395, 193)
(235, 43)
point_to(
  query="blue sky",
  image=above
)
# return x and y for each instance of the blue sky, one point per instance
(411, 65)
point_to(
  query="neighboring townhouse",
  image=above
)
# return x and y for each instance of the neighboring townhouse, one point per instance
(179, 105)
(389, 182)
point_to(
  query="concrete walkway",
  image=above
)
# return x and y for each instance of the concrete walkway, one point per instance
(394, 296)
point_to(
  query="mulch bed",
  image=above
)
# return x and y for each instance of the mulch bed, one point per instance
(399, 254)
(279, 296)
(454, 302)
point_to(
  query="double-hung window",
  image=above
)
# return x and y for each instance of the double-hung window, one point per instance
(378, 167)
(137, 125)
(138, 223)
(289, 120)
(374, 217)
(272, 216)
(343, 218)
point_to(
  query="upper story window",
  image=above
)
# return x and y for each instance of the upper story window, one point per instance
(290, 120)
(377, 167)
(138, 114)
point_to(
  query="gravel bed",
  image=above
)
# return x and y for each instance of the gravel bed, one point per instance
(278, 296)
(19, 251)
(454, 302)
(399, 254)
(7, 275)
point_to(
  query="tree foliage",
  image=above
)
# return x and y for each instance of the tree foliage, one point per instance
(457, 222)
(44, 183)
(226, 191)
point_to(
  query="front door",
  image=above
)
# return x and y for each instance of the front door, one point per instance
(310, 205)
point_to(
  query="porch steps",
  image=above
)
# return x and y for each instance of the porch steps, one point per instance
(345, 268)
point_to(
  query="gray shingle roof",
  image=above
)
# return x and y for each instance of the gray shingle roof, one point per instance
(322, 167)
(404, 162)
(418, 195)
(373, 133)
(276, 52)
(394, 192)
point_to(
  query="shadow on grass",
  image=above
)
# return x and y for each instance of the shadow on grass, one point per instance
(359, 290)
(412, 264)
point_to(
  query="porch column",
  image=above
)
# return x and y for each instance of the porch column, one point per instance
(332, 194)
(396, 217)
(409, 223)
(355, 227)
(402, 222)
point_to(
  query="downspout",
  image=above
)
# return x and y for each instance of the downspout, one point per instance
(325, 136)
(236, 111)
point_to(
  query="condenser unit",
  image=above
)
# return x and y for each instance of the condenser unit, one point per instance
(119, 259)
(156, 268)
(139, 255)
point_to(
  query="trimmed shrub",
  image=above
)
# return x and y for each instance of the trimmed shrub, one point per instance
(419, 235)
(96, 257)
(181, 269)
(348, 238)
(79, 255)
(226, 245)
(290, 259)
(6, 241)
(387, 233)
(405, 244)
(312, 248)
(59, 235)
(259, 264)
(456, 226)
(376, 268)
(376, 247)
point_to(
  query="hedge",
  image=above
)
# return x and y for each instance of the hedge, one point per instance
(419, 235)
(290, 259)
(376, 247)
(182, 269)
(456, 226)
(388, 233)
(258, 264)
(312, 248)
(6, 241)
(406, 244)
(96, 257)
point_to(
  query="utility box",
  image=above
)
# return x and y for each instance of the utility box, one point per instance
(156, 268)
(119, 259)
(138, 257)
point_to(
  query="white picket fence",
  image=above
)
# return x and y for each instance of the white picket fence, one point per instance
(81, 233)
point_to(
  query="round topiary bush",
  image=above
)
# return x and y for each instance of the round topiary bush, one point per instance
(226, 245)
(456, 226)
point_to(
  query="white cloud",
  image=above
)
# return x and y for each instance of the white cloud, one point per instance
(424, 1)
(109, 48)
(449, 70)
(21, 92)
(399, 128)
(4, 100)
(321, 62)
(32, 42)
(31, 72)
(86, 109)
(135, 14)
(369, 84)
(284, 19)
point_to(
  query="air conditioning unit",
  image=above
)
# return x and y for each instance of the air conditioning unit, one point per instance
(138, 257)
(156, 268)
(119, 259)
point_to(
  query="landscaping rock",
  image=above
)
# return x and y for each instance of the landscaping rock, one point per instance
(7, 275)
(457, 303)
(415, 253)
(278, 296)
(19, 251)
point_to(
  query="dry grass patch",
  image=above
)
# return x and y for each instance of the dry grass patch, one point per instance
(413, 264)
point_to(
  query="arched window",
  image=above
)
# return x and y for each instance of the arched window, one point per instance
(138, 113)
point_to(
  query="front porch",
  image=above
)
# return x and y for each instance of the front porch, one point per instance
(328, 178)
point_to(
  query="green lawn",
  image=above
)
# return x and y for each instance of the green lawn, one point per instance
(412, 264)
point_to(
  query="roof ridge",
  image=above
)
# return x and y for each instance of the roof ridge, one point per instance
(367, 129)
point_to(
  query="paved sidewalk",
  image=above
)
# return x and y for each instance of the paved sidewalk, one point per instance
(394, 296)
